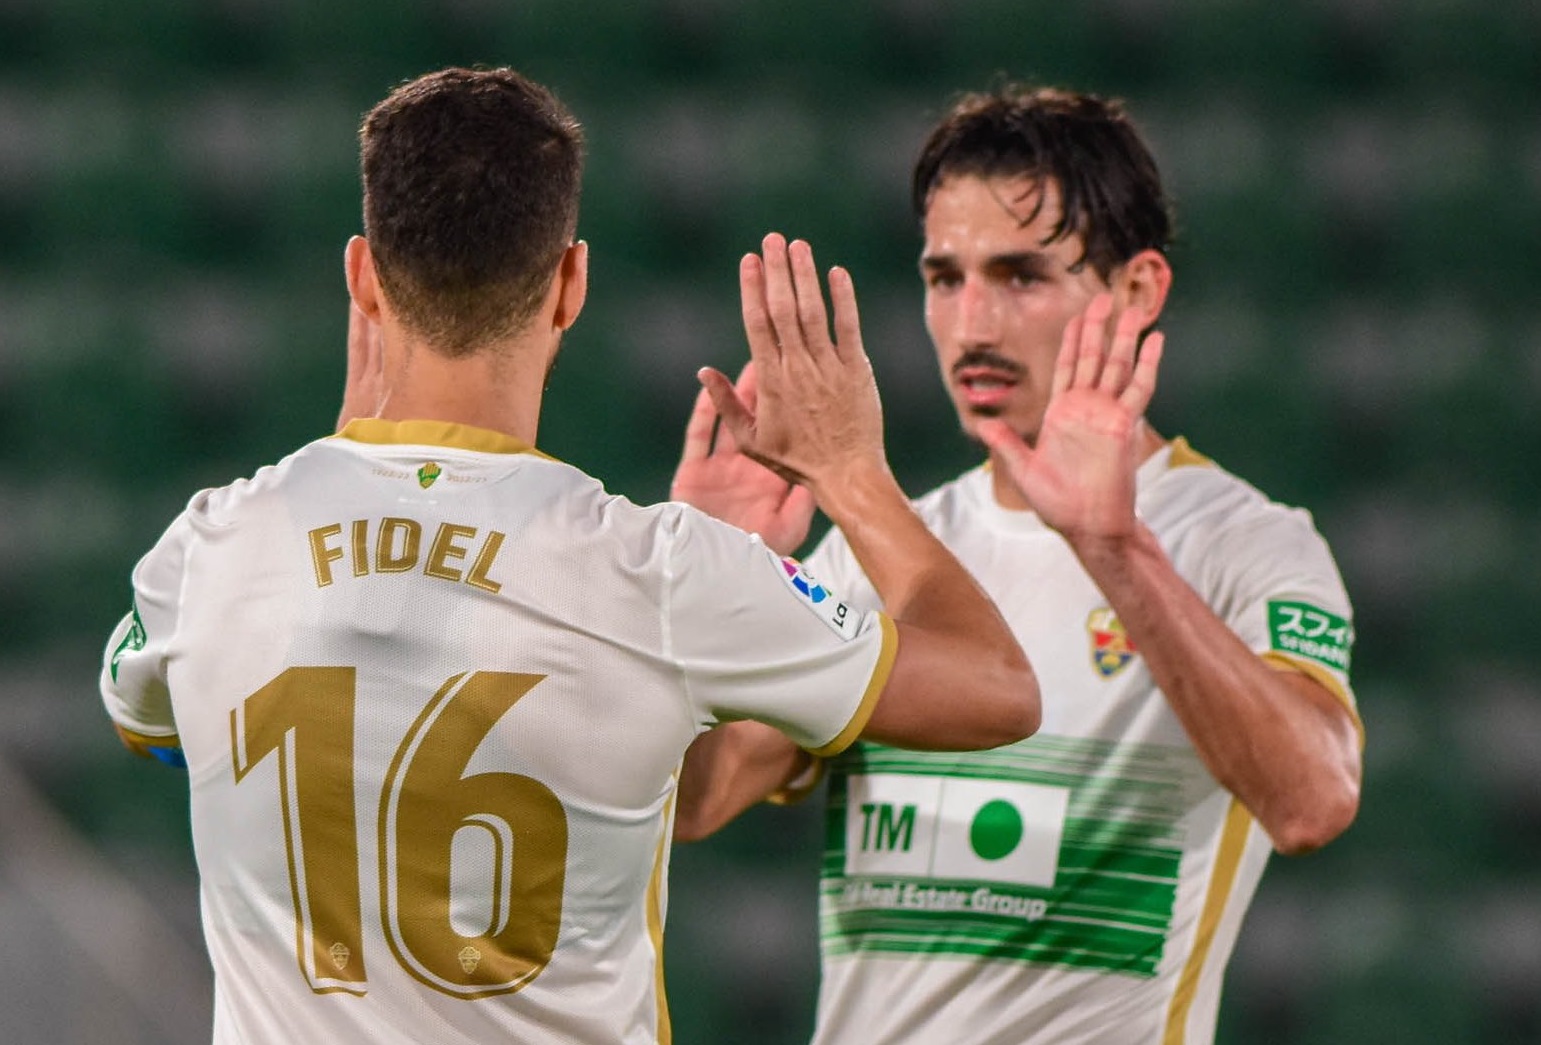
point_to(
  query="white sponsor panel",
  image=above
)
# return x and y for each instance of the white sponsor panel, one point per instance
(1032, 860)
(890, 823)
(901, 824)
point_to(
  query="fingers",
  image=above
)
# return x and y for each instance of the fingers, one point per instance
(1089, 358)
(1121, 353)
(1065, 362)
(812, 318)
(780, 295)
(700, 427)
(784, 280)
(1093, 338)
(1137, 394)
(1004, 444)
(842, 294)
(748, 388)
(737, 417)
(756, 309)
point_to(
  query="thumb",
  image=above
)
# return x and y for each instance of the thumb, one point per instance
(737, 416)
(1007, 447)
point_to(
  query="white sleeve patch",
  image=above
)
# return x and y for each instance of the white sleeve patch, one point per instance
(838, 616)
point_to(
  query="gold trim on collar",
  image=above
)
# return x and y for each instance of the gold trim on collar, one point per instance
(1184, 455)
(434, 433)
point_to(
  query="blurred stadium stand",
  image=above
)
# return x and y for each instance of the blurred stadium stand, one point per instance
(1354, 329)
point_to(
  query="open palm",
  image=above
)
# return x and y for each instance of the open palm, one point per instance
(717, 477)
(1079, 477)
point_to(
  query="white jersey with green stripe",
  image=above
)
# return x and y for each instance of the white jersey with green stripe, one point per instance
(1084, 886)
(433, 690)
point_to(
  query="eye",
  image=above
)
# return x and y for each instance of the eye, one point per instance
(942, 280)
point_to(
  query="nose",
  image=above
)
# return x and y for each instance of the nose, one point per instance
(978, 317)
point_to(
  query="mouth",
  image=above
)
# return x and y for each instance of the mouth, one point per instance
(986, 381)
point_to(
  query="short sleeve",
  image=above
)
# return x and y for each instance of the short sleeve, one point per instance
(1275, 582)
(757, 636)
(133, 677)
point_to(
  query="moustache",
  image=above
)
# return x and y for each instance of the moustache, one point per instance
(981, 357)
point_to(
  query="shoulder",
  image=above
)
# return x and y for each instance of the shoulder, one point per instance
(1226, 532)
(1197, 490)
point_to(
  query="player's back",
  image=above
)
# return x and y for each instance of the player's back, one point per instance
(424, 697)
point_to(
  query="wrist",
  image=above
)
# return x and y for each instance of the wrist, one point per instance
(1109, 556)
(849, 494)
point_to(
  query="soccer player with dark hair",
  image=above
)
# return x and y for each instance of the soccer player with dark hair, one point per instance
(1084, 886)
(432, 688)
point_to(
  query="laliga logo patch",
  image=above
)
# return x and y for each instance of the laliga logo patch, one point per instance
(1111, 648)
(805, 584)
(427, 474)
(834, 613)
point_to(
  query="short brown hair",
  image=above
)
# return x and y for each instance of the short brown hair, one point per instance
(1109, 185)
(471, 185)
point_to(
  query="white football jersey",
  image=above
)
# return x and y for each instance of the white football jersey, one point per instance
(1084, 886)
(433, 689)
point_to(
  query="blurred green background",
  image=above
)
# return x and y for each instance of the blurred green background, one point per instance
(1354, 328)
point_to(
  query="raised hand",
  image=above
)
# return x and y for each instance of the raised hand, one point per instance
(364, 391)
(1079, 477)
(816, 419)
(715, 476)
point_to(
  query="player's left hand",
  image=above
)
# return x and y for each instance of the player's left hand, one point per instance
(715, 476)
(364, 391)
(1079, 477)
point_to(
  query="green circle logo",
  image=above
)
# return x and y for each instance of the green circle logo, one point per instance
(996, 830)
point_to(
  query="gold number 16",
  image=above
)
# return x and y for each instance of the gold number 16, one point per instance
(305, 715)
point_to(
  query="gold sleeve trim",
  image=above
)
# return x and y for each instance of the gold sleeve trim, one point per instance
(794, 791)
(141, 743)
(1317, 673)
(1185, 456)
(847, 736)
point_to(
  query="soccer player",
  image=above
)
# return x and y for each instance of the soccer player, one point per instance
(432, 688)
(1191, 638)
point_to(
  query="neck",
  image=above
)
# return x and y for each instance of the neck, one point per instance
(498, 387)
(1008, 496)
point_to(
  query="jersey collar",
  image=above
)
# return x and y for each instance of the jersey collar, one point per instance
(434, 433)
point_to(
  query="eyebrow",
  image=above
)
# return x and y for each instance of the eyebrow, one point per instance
(1014, 259)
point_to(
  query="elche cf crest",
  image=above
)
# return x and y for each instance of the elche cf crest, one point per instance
(1110, 645)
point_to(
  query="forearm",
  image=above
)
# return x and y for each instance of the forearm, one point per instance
(954, 644)
(1279, 741)
(727, 770)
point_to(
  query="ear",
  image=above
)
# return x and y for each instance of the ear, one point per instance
(363, 285)
(1143, 282)
(572, 278)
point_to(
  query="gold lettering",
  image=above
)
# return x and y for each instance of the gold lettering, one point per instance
(444, 548)
(385, 559)
(477, 578)
(360, 547)
(323, 556)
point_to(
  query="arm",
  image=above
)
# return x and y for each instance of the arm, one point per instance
(1279, 741)
(729, 769)
(959, 679)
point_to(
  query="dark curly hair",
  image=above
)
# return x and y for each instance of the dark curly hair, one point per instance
(1109, 185)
